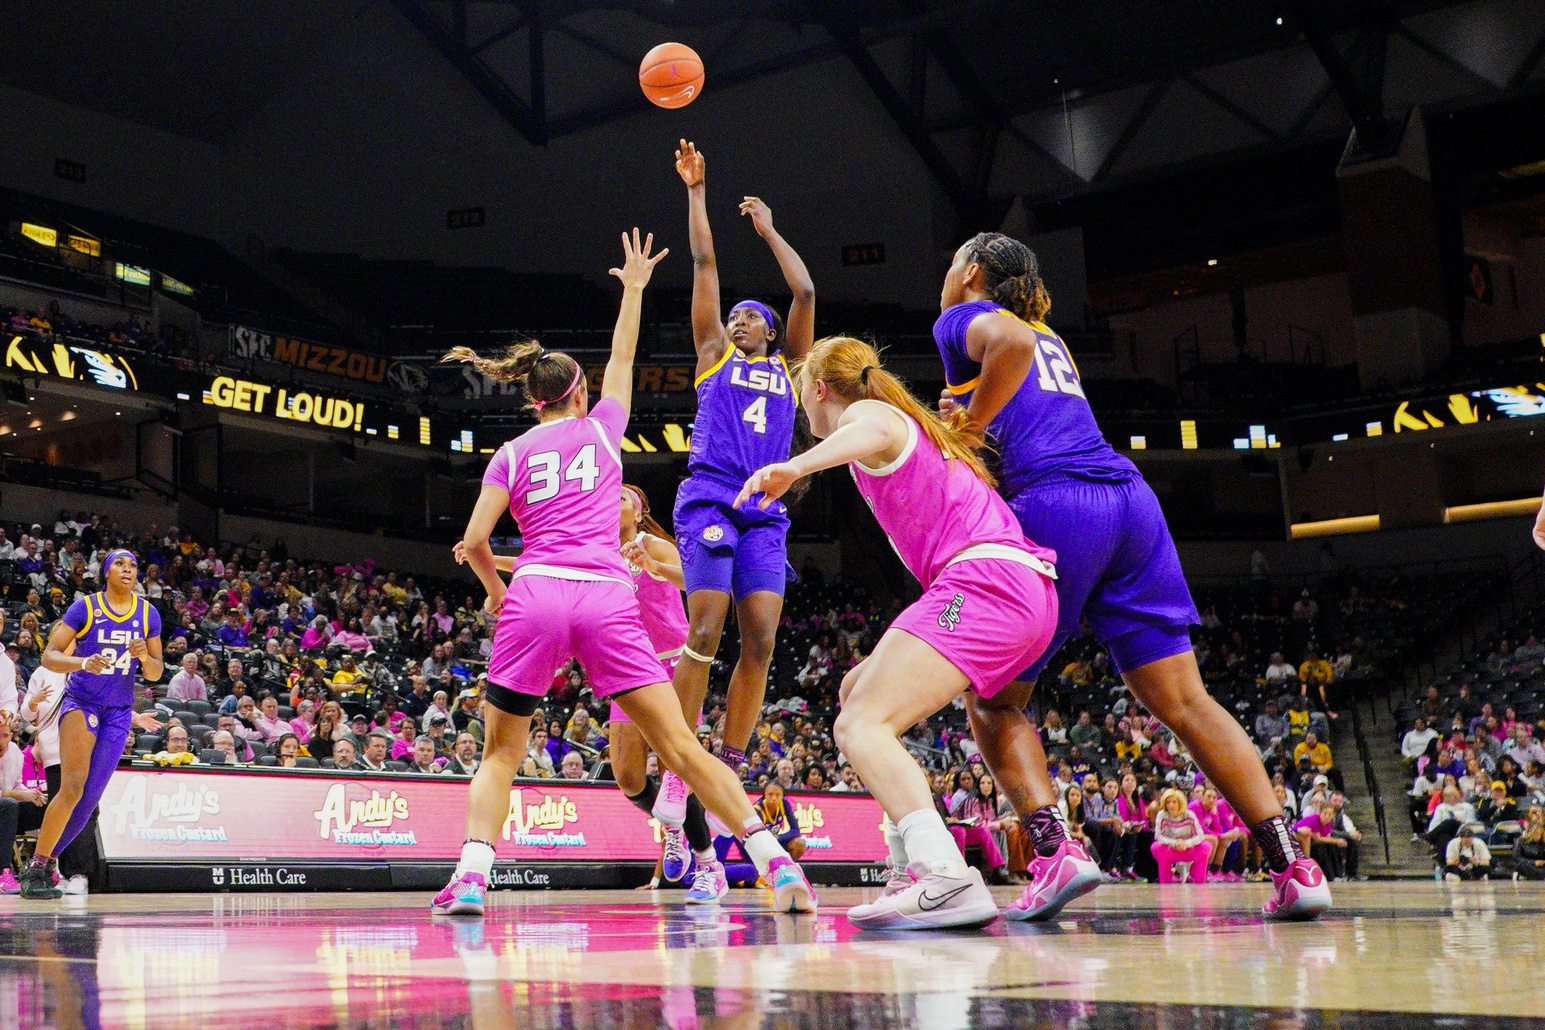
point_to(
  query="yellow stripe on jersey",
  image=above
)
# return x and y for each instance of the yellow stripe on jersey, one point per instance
(729, 349)
(966, 387)
(107, 609)
(90, 617)
(793, 386)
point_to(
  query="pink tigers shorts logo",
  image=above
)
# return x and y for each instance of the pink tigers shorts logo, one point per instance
(949, 618)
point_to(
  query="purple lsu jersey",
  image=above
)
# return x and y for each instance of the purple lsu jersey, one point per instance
(1047, 429)
(745, 418)
(101, 630)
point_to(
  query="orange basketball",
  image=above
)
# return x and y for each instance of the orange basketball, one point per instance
(671, 75)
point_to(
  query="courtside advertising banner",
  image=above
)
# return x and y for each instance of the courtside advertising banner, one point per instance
(181, 815)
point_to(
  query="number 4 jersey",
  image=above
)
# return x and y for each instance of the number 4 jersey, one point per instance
(1047, 429)
(101, 630)
(745, 418)
(565, 484)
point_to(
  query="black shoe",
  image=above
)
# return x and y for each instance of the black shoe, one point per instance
(1000, 877)
(37, 883)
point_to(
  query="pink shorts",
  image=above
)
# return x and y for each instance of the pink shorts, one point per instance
(546, 621)
(990, 617)
(669, 664)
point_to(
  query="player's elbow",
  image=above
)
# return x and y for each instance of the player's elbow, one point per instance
(804, 292)
(703, 260)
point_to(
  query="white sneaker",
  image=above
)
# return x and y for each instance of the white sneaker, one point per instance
(75, 885)
(896, 880)
(932, 902)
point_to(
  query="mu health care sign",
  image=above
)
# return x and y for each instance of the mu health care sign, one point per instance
(191, 816)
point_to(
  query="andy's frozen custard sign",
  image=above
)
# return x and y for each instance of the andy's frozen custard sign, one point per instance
(163, 809)
(370, 821)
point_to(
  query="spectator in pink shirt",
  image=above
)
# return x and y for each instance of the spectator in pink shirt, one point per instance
(1224, 830)
(1314, 835)
(305, 720)
(402, 747)
(266, 721)
(1178, 836)
(188, 685)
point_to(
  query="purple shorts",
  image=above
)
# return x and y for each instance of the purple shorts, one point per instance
(100, 718)
(736, 551)
(989, 616)
(1116, 567)
(546, 621)
(669, 664)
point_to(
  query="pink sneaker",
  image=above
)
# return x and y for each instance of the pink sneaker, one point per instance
(670, 805)
(8, 884)
(930, 902)
(1301, 892)
(791, 890)
(463, 896)
(1233, 878)
(1054, 882)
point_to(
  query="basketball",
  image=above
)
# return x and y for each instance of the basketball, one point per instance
(671, 75)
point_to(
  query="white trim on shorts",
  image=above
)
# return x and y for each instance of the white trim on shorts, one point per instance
(1003, 552)
(576, 575)
(666, 656)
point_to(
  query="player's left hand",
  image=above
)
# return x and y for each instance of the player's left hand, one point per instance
(635, 553)
(772, 482)
(637, 265)
(459, 553)
(139, 648)
(761, 215)
(147, 721)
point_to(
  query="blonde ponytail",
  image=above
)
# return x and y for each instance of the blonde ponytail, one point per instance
(852, 369)
(547, 376)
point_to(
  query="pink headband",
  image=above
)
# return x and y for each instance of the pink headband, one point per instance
(539, 405)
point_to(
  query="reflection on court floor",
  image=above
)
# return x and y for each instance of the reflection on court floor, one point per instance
(1406, 955)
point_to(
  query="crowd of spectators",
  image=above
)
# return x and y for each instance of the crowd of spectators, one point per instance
(1473, 747)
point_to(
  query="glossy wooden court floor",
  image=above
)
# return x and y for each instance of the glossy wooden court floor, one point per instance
(1401, 954)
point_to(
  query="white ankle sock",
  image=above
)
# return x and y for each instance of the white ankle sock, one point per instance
(928, 840)
(763, 847)
(706, 855)
(476, 857)
(897, 845)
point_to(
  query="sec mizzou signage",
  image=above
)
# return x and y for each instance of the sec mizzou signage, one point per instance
(254, 344)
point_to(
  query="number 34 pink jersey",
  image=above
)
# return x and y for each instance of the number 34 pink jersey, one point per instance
(565, 484)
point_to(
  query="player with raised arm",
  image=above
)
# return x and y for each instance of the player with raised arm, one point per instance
(570, 594)
(745, 419)
(988, 607)
(114, 633)
(1119, 569)
(655, 566)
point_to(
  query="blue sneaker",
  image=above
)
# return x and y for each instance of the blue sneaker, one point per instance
(463, 896)
(677, 857)
(710, 885)
(791, 891)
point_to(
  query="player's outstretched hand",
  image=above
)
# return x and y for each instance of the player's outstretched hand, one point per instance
(689, 164)
(637, 265)
(761, 215)
(459, 552)
(771, 482)
(947, 403)
(147, 721)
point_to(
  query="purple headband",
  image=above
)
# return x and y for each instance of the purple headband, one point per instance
(539, 405)
(761, 309)
(113, 556)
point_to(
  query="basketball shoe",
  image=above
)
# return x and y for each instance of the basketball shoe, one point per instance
(1300, 892)
(1055, 881)
(930, 901)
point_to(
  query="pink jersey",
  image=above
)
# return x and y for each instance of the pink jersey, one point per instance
(565, 483)
(933, 509)
(659, 606)
(1217, 822)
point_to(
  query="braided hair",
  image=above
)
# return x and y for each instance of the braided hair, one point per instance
(1011, 275)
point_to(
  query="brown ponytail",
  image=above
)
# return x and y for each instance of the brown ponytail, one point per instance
(1011, 275)
(547, 376)
(852, 369)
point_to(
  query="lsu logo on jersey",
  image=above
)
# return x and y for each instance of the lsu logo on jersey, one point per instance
(762, 379)
(713, 534)
(949, 618)
(92, 721)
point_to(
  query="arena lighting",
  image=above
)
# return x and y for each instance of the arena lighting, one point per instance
(1139, 443)
(423, 431)
(675, 438)
(1338, 438)
(1334, 527)
(1188, 435)
(40, 234)
(1375, 428)
(1490, 510)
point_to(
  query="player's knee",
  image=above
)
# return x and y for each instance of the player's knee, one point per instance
(72, 783)
(629, 780)
(703, 634)
(756, 643)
